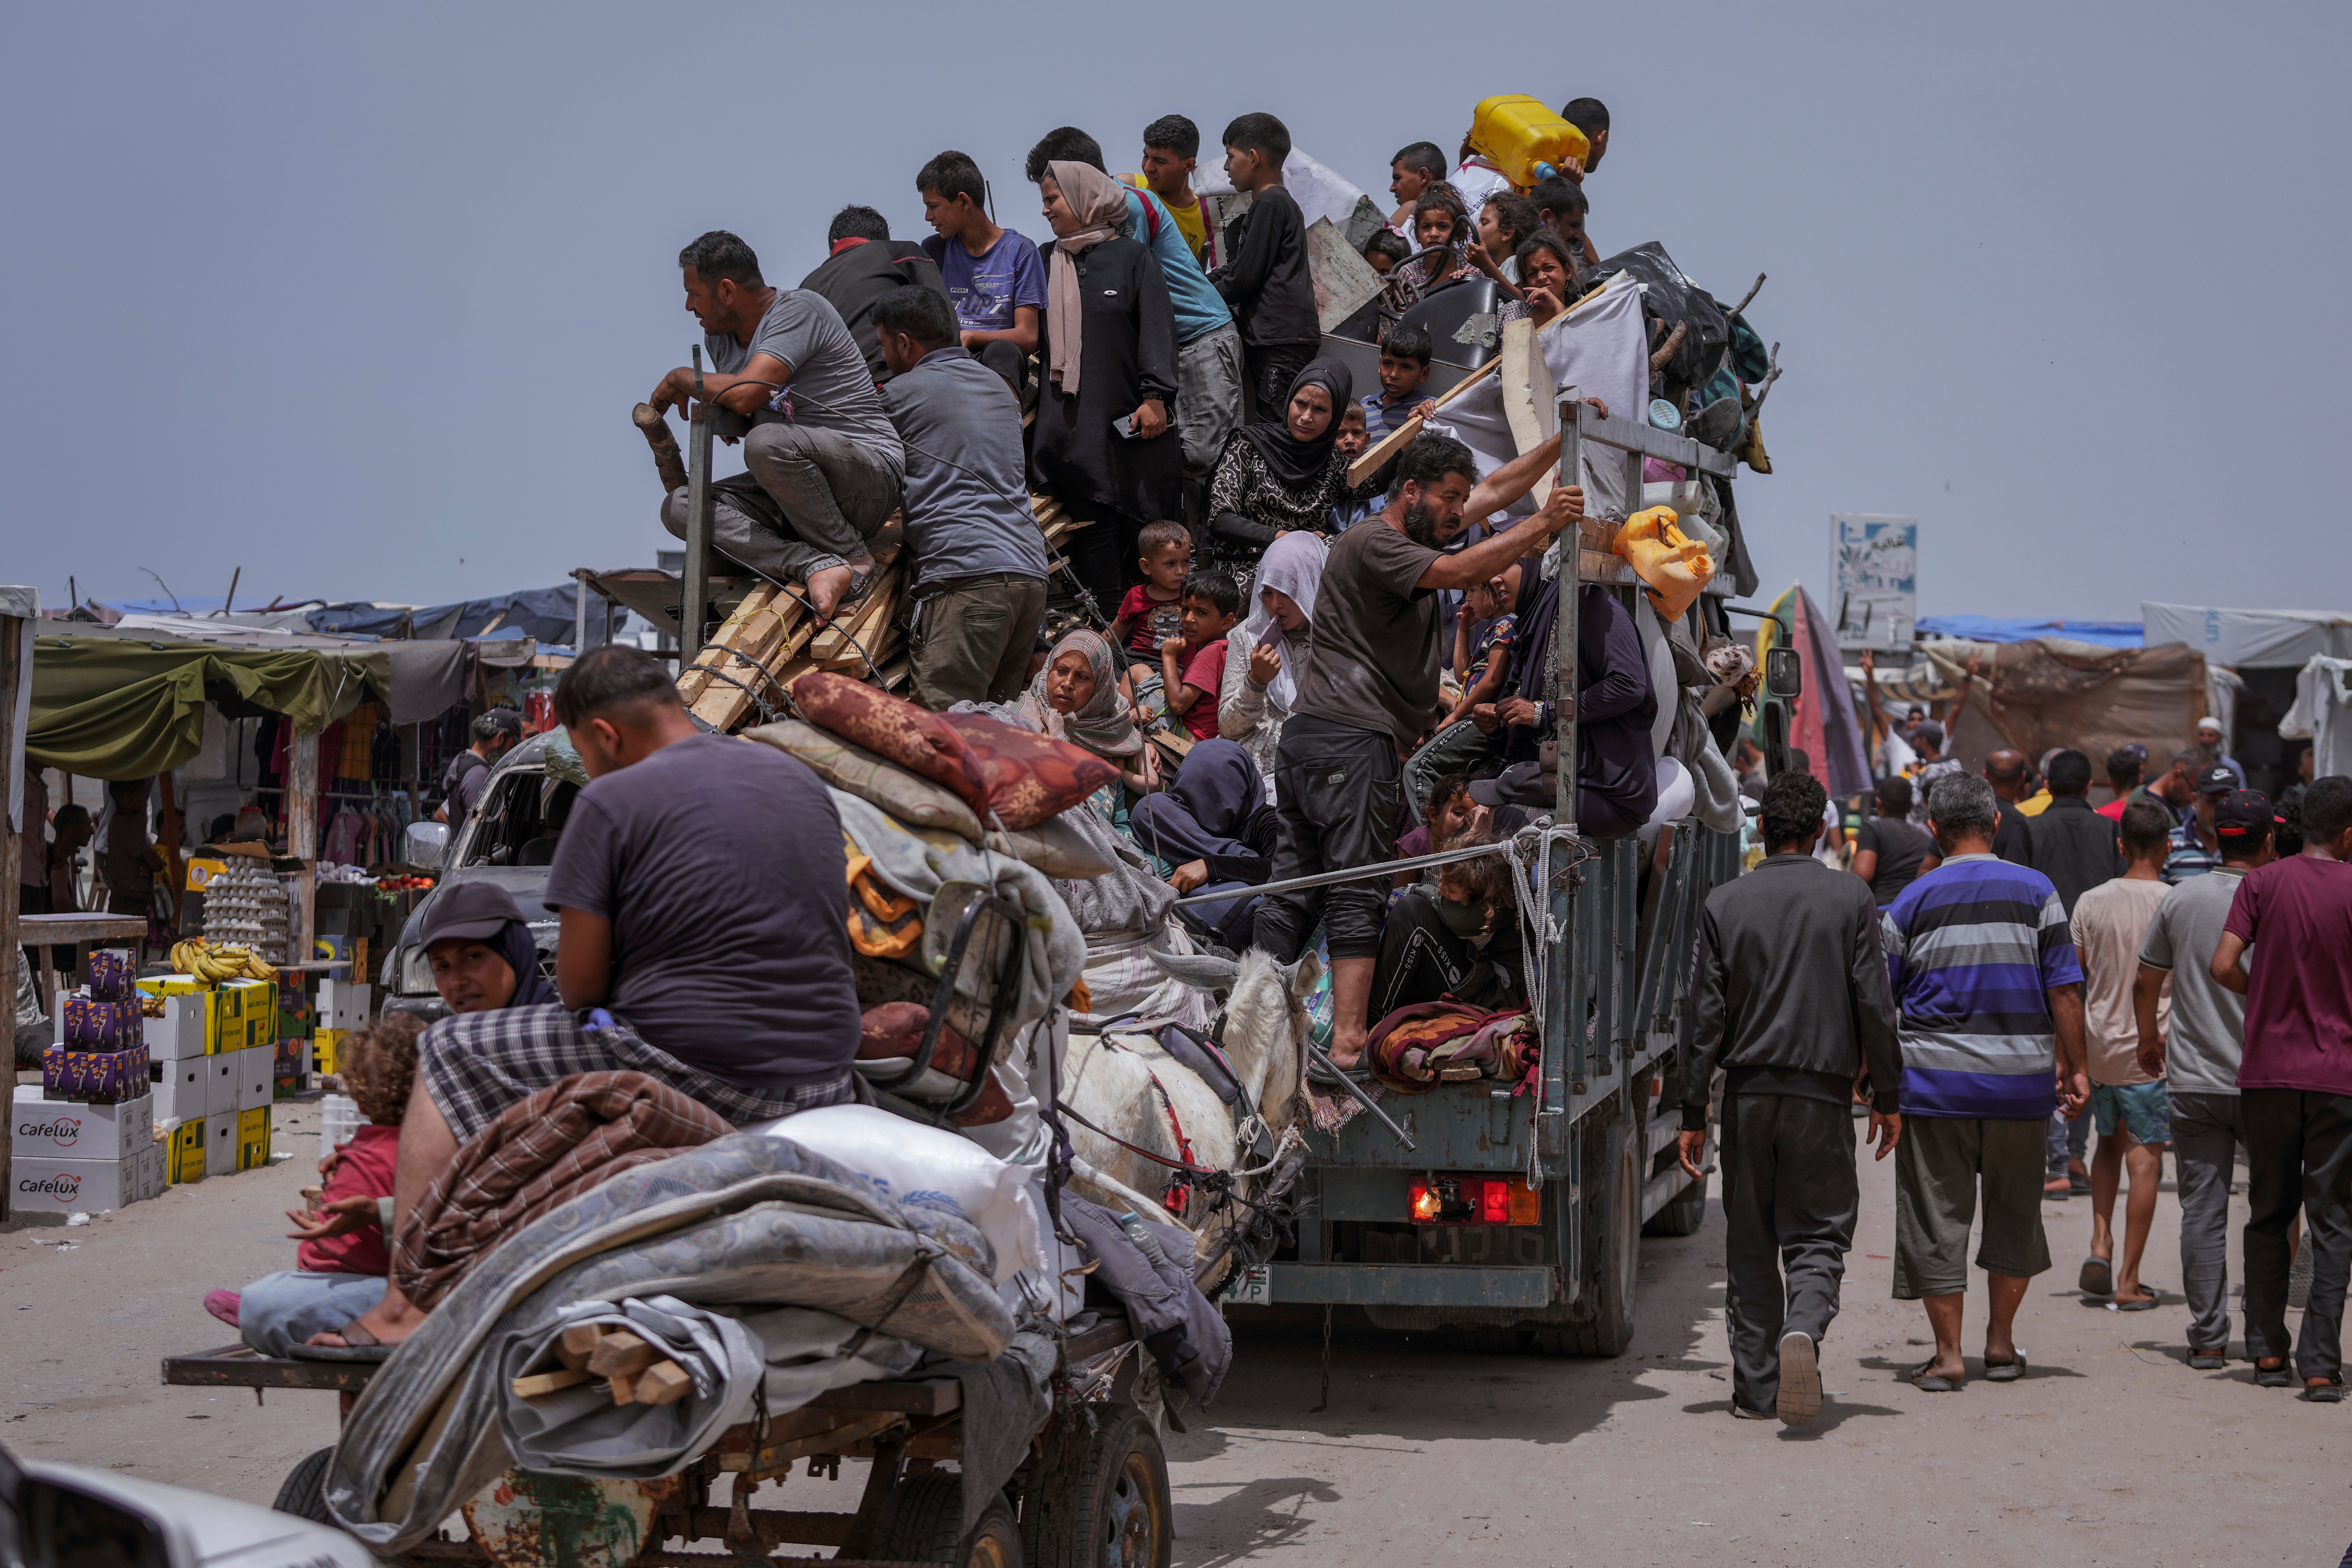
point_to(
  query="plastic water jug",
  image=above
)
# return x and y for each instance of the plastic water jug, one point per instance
(1518, 135)
(339, 1121)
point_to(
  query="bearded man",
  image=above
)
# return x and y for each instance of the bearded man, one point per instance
(1369, 693)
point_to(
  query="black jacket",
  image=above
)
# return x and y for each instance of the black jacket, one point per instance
(856, 279)
(1129, 353)
(2013, 839)
(1266, 282)
(1789, 990)
(2072, 845)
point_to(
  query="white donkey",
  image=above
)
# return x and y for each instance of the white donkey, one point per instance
(1117, 1081)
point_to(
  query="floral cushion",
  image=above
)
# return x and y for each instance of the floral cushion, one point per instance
(891, 728)
(1027, 778)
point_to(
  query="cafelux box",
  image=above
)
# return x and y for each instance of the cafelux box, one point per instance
(94, 1078)
(253, 1139)
(45, 1129)
(72, 1186)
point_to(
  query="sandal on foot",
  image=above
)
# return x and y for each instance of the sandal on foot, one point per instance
(357, 1345)
(223, 1304)
(2207, 1361)
(2273, 1376)
(2328, 1393)
(2010, 1371)
(1922, 1377)
(2146, 1304)
(2097, 1277)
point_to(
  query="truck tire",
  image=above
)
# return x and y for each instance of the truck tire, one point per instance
(1612, 1243)
(1684, 1214)
(1107, 1503)
(925, 1524)
(303, 1493)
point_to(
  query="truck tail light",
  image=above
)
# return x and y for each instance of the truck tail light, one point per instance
(1474, 1200)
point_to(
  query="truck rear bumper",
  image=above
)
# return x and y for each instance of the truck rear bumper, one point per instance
(1408, 1285)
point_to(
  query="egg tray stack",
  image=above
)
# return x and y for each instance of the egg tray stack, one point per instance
(245, 904)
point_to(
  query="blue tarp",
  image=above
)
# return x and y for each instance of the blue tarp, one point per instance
(2011, 628)
(545, 614)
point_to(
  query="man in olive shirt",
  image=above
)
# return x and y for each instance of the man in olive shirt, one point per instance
(1367, 692)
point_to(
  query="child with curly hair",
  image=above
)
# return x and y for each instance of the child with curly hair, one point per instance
(340, 1268)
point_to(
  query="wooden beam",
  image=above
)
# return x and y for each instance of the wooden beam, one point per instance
(303, 842)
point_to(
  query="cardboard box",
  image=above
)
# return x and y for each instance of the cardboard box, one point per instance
(220, 1143)
(289, 1068)
(112, 971)
(343, 1004)
(253, 1139)
(42, 1129)
(72, 1186)
(254, 1068)
(150, 1173)
(171, 986)
(87, 1023)
(297, 1015)
(183, 1030)
(178, 1088)
(220, 1084)
(183, 1152)
(325, 1047)
(95, 1078)
(254, 1005)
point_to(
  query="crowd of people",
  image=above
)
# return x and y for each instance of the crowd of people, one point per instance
(1996, 968)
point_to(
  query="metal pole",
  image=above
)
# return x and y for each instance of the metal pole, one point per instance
(1563, 1020)
(579, 614)
(695, 590)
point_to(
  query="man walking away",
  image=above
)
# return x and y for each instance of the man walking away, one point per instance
(1790, 999)
(2197, 1053)
(2125, 764)
(2295, 1086)
(2135, 1121)
(2068, 844)
(1990, 993)
(979, 572)
(1890, 854)
(2005, 771)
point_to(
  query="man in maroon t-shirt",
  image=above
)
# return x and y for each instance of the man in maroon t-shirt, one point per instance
(2295, 1085)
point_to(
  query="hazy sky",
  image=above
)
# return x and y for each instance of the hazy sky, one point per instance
(358, 299)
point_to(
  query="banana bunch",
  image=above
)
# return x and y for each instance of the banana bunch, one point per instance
(214, 964)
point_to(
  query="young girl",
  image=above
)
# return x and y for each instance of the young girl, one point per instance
(341, 1268)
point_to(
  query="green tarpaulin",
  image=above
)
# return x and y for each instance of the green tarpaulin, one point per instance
(115, 706)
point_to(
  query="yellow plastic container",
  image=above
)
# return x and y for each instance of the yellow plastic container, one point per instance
(1516, 133)
(1674, 566)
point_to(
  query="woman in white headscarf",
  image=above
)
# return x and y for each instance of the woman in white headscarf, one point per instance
(1266, 654)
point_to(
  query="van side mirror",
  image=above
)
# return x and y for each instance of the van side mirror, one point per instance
(1784, 674)
(59, 1526)
(428, 844)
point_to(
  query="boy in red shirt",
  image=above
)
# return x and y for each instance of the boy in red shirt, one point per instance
(340, 1267)
(1153, 610)
(1193, 667)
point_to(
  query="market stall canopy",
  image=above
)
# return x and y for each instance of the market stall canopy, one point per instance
(114, 703)
(2012, 628)
(2051, 691)
(546, 615)
(2278, 639)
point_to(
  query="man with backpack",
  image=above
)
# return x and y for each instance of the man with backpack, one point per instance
(468, 772)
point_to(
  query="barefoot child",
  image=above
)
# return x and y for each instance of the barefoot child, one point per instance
(340, 1267)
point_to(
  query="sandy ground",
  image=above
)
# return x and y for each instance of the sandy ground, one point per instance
(2111, 1451)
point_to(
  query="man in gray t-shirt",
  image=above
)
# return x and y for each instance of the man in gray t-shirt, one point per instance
(2199, 1061)
(823, 464)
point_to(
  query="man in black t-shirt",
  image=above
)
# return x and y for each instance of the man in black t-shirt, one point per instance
(1889, 853)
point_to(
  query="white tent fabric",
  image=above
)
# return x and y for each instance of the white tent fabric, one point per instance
(1319, 190)
(2248, 639)
(2323, 714)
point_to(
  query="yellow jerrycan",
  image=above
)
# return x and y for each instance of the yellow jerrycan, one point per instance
(1523, 139)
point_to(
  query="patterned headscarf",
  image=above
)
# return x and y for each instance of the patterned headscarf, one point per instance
(1104, 725)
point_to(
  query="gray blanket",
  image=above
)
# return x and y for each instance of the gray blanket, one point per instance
(746, 1222)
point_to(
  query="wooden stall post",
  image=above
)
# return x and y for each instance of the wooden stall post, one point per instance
(302, 840)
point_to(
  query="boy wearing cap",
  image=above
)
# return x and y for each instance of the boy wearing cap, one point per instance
(2195, 849)
(2128, 1102)
(2197, 1052)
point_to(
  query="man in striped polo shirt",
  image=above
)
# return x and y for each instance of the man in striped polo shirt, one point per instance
(1989, 993)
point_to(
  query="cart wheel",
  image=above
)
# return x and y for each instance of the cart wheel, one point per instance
(304, 1493)
(1108, 1506)
(925, 1524)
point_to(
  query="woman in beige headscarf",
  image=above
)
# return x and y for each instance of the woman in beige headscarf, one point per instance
(1109, 352)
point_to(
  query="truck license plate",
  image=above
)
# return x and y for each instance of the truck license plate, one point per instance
(1255, 1288)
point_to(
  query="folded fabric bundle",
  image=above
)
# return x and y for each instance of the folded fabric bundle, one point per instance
(537, 1153)
(746, 1221)
(1415, 1048)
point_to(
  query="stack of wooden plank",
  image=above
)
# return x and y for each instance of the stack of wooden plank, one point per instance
(632, 1371)
(771, 640)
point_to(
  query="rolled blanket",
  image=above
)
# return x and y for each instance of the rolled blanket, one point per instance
(539, 1153)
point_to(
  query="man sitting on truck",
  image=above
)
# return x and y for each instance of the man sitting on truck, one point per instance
(823, 463)
(699, 878)
(1789, 997)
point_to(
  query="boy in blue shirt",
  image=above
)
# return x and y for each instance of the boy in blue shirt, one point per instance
(994, 276)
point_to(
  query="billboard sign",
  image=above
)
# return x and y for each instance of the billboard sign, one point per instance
(1874, 566)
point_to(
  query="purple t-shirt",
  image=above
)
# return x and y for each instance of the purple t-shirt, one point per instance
(2293, 914)
(720, 863)
(987, 288)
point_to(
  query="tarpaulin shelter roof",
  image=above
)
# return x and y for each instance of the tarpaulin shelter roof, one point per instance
(2012, 628)
(122, 703)
(2280, 640)
(545, 613)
